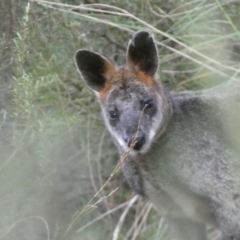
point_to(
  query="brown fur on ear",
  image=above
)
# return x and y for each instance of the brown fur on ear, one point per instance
(113, 76)
(110, 70)
(148, 80)
(95, 69)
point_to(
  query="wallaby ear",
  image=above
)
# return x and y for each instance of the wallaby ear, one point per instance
(142, 54)
(95, 69)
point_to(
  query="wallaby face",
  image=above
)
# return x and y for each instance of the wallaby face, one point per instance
(133, 103)
(192, 173)
(132, 114)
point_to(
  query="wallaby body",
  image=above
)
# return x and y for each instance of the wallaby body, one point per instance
(180, 151)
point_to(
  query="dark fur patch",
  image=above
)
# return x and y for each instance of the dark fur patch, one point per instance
(95, 69)
(142, 54)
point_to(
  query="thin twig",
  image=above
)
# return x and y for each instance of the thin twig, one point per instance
(27, 218)
(121, 219)
(136, 221)
(89, 158)
(136, 233)
(102, 216)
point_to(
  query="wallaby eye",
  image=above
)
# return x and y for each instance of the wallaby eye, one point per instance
(147, 104)
(113, 113)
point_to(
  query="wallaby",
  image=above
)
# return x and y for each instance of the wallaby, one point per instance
(182, 148)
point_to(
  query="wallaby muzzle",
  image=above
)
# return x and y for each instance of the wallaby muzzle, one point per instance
(132, 132)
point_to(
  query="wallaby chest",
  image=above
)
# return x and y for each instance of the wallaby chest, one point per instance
(162, 187)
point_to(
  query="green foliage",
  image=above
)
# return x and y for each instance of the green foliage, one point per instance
(56, 153)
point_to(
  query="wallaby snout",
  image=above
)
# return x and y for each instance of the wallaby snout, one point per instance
(135, 140)
(132, 130)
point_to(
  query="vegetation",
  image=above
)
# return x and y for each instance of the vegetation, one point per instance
(60, 177)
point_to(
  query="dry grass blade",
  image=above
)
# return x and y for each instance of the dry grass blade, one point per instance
(143, 221)
(102, 216)
(121, 220)
(25, 219)
(133, 229)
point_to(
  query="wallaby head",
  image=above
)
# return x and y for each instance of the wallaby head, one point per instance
(135, 106)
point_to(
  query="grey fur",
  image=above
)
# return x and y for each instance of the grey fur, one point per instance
(189, 165)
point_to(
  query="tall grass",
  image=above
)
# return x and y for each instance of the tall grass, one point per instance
(59, 155)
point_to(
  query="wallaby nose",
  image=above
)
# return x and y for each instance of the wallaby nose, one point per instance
(136, 141)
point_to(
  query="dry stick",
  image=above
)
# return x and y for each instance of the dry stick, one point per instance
(88, 158)
(103, 216)
(195, 60)
(228, 18)
(121, 219)
(26, 218)
(172, 15)
(4, 113)
(142, 22)
(160, 226)
(81, 7)
(89, 17)
(137, 219)
(99, 163)
(136, 134)
(17, 147)
(112, 192)
(136, 233)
